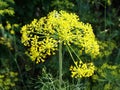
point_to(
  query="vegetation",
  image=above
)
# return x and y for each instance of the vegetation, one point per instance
(59, 45)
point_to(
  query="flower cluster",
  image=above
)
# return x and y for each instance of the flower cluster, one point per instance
(108, 74)
(6, 42)
(82, 69)
(39, 50)
(106, 69)
(7, 34)
(106, 48)
(85, 39)
(7, 80)
(58, 26)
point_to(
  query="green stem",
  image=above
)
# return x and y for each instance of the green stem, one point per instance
(15, 59)
(70, 53)
(105, 16)
(74, 52)
(68, 48)
(2, 28)
(60, 65)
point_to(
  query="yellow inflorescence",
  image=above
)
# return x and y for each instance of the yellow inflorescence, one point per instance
(40, 49)
(85, 39)
(8, 80)
(82, 69)
(54, 28)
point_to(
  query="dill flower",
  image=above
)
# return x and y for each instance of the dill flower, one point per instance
(58, 26)
(8, 80)
(82, 69)
(12, 32)
(39, 50)
(10, 27)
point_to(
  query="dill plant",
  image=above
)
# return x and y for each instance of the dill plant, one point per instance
(47, 35)
(8, 80)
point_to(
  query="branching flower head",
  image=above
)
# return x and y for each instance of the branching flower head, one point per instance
(42, 36)
(39, 50)
(82, 69)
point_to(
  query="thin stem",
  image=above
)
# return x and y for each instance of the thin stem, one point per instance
(15, 59)
(105, 16)
(78, 83)
(71, 55)
(60, 65)
(2, 29)
(74, 52)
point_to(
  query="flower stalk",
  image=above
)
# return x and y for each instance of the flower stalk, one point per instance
(60, 65)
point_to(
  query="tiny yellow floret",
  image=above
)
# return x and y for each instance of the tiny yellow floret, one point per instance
(82, 70)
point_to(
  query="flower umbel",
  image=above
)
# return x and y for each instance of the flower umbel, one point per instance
(82, 69)
(42, 36)
(39, 50)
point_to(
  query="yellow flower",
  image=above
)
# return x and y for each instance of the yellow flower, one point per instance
(12, 32)
(39, 50)
(41, 36)
(82, 69)
(8, 26)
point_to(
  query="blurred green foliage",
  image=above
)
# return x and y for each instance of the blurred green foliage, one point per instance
(5, 7)
(104, 15)
(7, 79)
